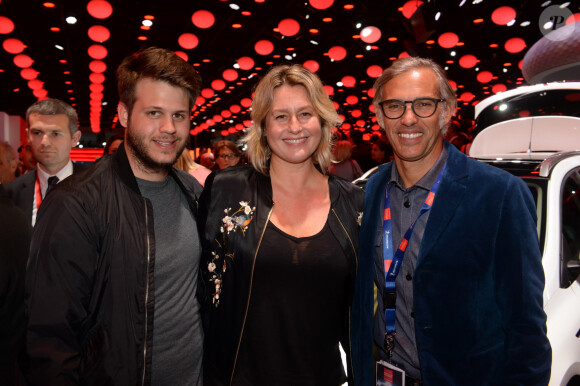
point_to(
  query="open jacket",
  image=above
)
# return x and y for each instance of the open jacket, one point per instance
(478, 280)
(234, 210)
(90, 284)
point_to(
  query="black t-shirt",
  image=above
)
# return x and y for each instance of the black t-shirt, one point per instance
(297, 312)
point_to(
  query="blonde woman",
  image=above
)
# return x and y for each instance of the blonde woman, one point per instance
(283, 282)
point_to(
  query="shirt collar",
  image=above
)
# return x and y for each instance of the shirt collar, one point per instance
(427, 181)
(63, 173)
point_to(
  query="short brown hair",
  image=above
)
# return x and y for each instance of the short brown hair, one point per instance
(157, 64)
(258, 150)
(52, 106)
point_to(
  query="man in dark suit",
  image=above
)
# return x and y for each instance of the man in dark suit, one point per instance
(52, 133)
(456, 253)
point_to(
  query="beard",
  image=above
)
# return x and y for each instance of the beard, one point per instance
(138, 147)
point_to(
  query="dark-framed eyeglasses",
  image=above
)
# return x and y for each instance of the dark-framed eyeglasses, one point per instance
(422, 107)
(228, 156)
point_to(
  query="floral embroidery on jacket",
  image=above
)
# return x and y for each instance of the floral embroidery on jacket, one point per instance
(240, 219)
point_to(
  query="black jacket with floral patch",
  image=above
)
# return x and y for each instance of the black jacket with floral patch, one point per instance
(235, 208)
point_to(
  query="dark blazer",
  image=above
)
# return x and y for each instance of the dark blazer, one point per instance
(21, 190)
(15, 231)
(478, 280)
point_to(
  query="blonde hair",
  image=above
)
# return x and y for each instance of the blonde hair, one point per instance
(185, 162)
(342, 151)
(258, 151)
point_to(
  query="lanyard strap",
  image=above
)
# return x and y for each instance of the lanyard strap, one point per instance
(393, 261)
(37, 192)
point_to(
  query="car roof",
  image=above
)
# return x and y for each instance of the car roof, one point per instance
(524, 90)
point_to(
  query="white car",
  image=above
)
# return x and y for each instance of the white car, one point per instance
(534, 132)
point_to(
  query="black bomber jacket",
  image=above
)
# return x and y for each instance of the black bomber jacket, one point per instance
(90, 283)
(235, 208)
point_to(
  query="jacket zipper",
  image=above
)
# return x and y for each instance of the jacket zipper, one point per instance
(249, 295)
(146, 294)
(349, 307)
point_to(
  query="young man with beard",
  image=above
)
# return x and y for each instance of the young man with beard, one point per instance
(112, 279)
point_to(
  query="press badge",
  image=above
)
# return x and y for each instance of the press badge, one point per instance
(389, 375)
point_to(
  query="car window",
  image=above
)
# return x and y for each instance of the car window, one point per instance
(570, 226)
(540, 103)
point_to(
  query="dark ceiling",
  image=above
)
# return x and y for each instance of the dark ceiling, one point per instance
(65, 72)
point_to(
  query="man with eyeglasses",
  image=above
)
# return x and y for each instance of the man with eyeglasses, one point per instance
(457, 261)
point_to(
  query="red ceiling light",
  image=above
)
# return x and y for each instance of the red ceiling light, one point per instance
(96, 87)
(200, 100)
(264, 47)
(207, 93)
(97, 51)
(327, 19)
(203, 19)
(246, 13)
(410, 7)
(515, 45)
(337, 53)
(574, 18)
(96, 78)
(348, 6)
(484, 77)
(236, 25)
(49, 5)
(23, 61)
(54, 29)
(503, 15)
(477, 21)
(356, 113)
(448, 40)
(99, 34)
(321, 4)
(188, 41)
(289, 27)
(40, 93)
(149, 17)
(226, 113)
(374, 71)
(13, 46)
(246, 102)
(142, 38)
(348, 81)
(370, 34)
(313, 31)
(498, 88)
(371, 92)
(6, 25)
(35, 84)
(467, 61)
(29, 73)
(329, 90)
(182, 55)
(452, 84)
(311, 65)
(246, 63)
(99, 9)
(230, 74)
(467, 96)
(235, 109)
(352, 100)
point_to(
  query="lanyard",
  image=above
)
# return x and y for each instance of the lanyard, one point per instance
(393, 261)
(37, 192)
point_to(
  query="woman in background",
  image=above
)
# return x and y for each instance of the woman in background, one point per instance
(187, 164)
(283, 282)
(226, 154)
(345, 167)
(381, 152)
